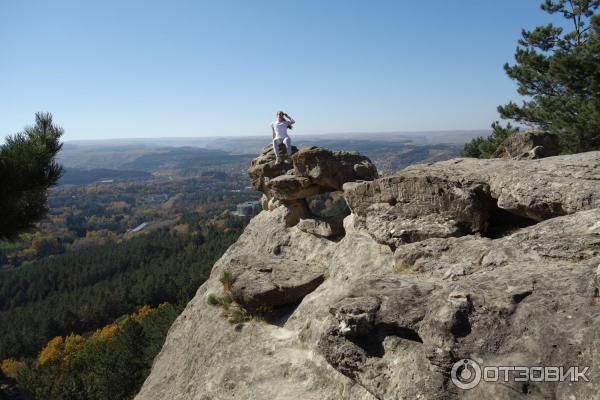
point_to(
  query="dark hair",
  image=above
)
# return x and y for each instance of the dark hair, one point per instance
(290, 126)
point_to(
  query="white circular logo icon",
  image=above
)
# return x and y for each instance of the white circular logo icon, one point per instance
(466, 373)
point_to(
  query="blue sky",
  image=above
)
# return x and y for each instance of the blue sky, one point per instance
(123, 69)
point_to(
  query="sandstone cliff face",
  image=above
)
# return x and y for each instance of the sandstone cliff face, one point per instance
(493, 260)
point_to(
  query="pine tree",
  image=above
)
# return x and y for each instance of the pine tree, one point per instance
(558, 73)
(481, 147)
(27, 169)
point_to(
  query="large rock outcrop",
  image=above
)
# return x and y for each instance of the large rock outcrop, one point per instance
(314, 170)
(380, 314)
(462, 196)
(528, 145)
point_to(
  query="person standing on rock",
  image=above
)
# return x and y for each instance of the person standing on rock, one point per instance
(280, 134)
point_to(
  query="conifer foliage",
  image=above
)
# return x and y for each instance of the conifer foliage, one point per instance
(28, 168)
(558, 74)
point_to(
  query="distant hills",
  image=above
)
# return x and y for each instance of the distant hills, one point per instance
(190, 159)
(80, 176)
(108, 159)
(353, 141)
(88, 164)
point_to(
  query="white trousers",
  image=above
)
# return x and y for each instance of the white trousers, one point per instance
(288, 146)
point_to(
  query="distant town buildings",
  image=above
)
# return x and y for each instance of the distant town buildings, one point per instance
(248, 208)
(139, 227)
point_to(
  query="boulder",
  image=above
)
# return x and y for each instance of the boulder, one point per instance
(263, 168)
(264, 283)
(291, 187)
(528, 145)
(405, 208)
(535, 189)
(328, 228)
(329, 170)
(315, 170)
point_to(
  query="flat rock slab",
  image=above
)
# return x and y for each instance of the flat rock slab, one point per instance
(263, 283)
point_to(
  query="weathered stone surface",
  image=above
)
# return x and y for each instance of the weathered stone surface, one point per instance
(537, 296)
(264, 202)
(265, 283)
(331, 169)
(295, 210)
(374, 339)
(291, 187)
(537, 189)
(457, 197)
(263, 168)
(528, 145)
(205, 357)
(389, 323)
(405, 208)
(315, 170)
(356, 315)
(329, 228)
(447, 258)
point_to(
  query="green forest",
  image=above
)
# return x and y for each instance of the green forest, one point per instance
(110, 363)
(84, 289)
(94, 271)
(91, 287)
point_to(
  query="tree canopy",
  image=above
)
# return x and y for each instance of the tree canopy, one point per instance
(558, 74)
(481, 147)
(28, 168)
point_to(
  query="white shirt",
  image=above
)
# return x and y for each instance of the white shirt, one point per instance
(280, 129)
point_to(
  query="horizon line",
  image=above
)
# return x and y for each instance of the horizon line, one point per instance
(300, 134)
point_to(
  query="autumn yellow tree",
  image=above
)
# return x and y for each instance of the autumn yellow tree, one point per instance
(11, 367)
